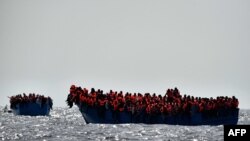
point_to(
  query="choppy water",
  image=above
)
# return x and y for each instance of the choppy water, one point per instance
(67, 124)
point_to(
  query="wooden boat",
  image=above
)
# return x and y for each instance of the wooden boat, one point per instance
(105, 113)
(32, 105)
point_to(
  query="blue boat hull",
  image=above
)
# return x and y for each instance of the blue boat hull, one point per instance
(31, 109)
(97, 115)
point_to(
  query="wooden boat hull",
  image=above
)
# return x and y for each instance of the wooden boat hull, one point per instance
(31, 109)
(108, 116)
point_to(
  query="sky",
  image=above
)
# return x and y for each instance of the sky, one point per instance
(200, 47)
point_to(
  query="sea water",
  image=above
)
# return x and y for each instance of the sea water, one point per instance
(65, 124)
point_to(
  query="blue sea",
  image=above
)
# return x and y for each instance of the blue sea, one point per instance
(66, 124)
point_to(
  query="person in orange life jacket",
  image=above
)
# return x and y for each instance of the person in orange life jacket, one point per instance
(88, 101)
(162, 108)
(85, 91)
(235, 102)
(169, 108)
(148, 109)
(192, 104)
(107, 104)
(209, 106)
(73, 95)
(142, 105)
(115, 105)
(127, 105)
(185, 105)
(156, 108)
(120, 105)
(174, 108)
(82, 98)
(94, 96)
(169, 94)
(152, 108)
(113, 94)
(214, 106)
(78, 92)
(201, 107)
(101, 102)
(72, 88)
(139, 97)
(133, 98)
(228, 103)
(179, 107)
(176, 92)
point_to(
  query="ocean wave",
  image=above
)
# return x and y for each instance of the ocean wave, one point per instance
(68, 124)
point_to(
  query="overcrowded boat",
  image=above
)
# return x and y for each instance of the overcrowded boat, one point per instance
(32, 104)
(172, 108)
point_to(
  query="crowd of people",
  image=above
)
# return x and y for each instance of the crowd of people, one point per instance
(30, 98)
(170, 104)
